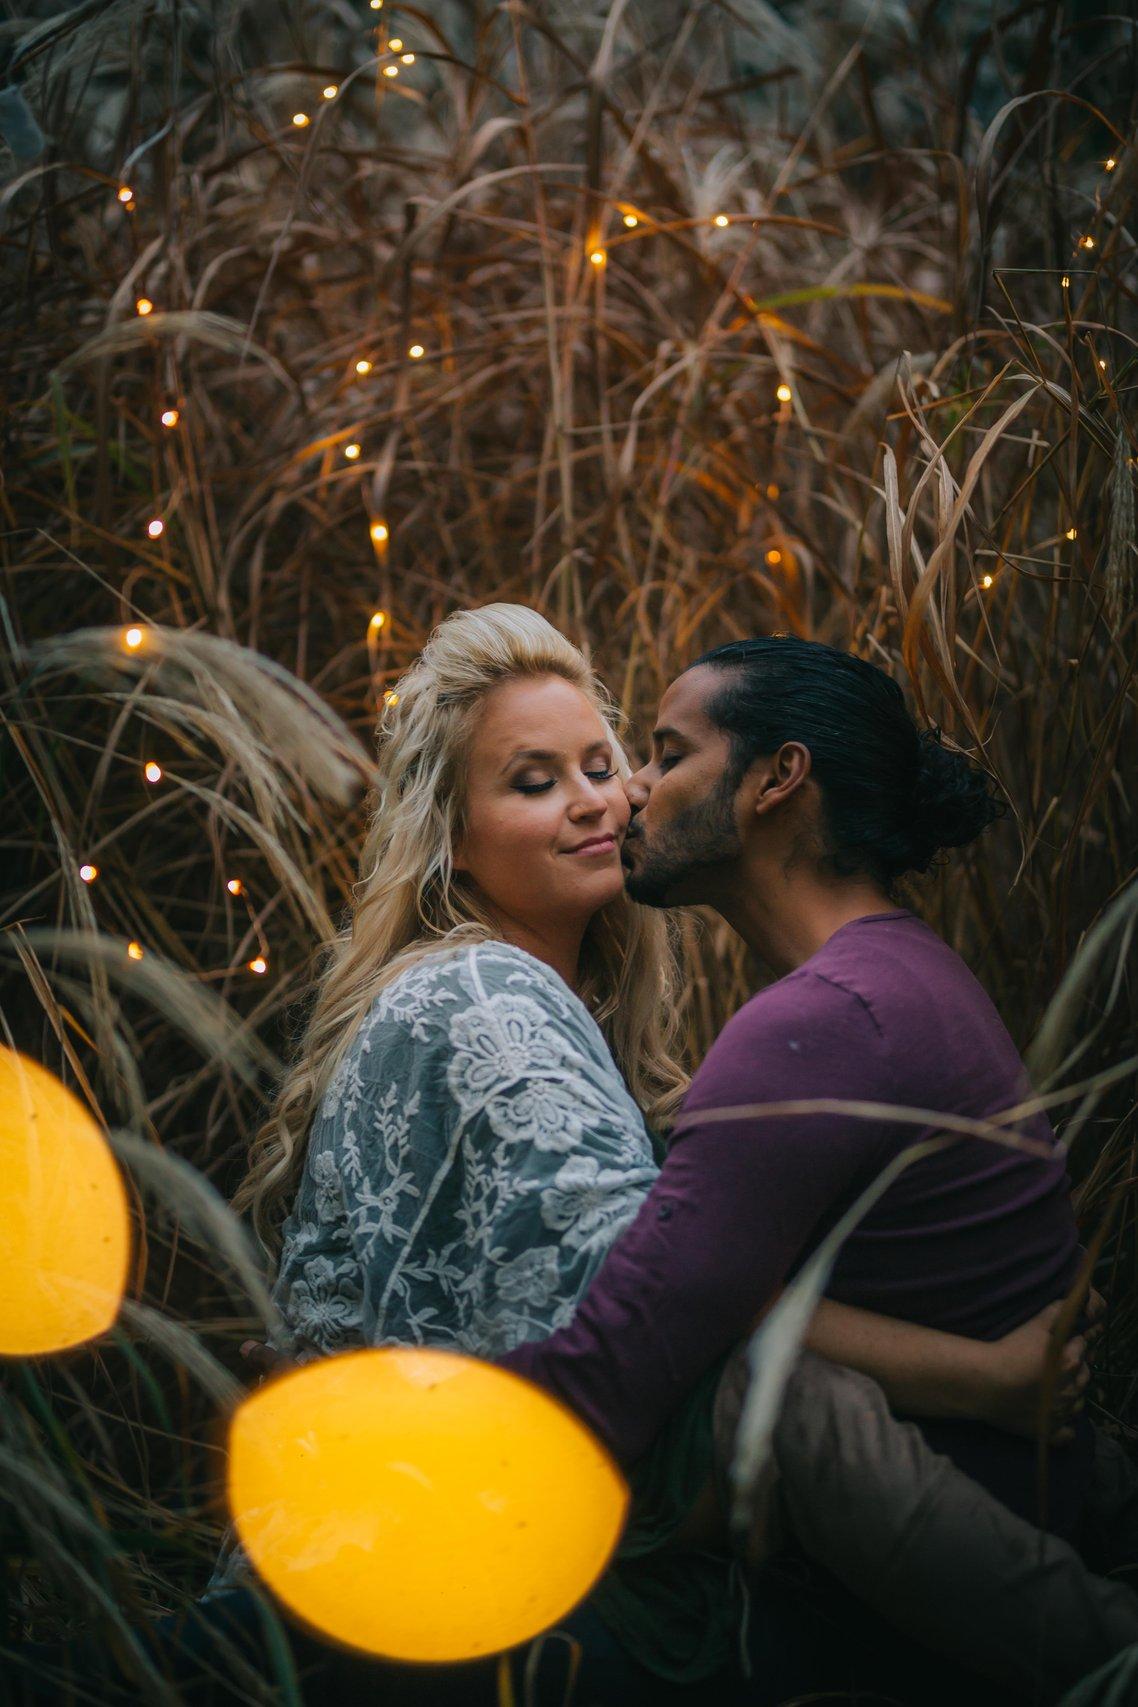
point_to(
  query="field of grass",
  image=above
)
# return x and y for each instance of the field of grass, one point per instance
(678, 321)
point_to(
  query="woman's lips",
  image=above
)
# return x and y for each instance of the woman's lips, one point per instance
(597, 845)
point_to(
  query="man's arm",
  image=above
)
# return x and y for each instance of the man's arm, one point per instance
(926, 1373)
(733, 1210)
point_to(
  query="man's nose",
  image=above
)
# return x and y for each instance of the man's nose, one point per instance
(637, 789)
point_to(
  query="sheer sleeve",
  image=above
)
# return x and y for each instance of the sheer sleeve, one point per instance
(471, 1163)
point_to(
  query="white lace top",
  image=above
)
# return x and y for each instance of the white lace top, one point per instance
(471, 1162)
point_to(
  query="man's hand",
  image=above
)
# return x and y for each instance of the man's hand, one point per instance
(1023, 1368)
(264, 1361)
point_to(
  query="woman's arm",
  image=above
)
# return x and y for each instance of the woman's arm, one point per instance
(925, 1373)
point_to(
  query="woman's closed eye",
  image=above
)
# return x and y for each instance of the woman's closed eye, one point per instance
(544, 787)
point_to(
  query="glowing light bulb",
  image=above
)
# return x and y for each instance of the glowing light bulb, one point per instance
(1102, 362)
(300, 120)
(391, 697)
(363, 365)
(235, 886)
(259, 965)
(784, 393)
(152, 771)
(1072, 533)
(134, 950)
(378, 620)
(774, 556)
(395, 45)
(1086, 242)
(143, 306)
(170, 417)
(721, 220)
(88, 873)
(379, 532)
(631, 221)
(331, 91)
(132, 639)
(986, 580)
(406, 59)
(772, 491)
(351, 451)
(126, 194)
(65, 1230)
(355, 1481)
(598, 257)
(156, 528)
(376, 5)
(391, 71)
(1065, 281)
(416, 352)
(1108, 165)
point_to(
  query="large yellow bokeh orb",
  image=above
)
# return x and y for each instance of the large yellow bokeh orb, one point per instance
(419, 1504)
(64, 1226)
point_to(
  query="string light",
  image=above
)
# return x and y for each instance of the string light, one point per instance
(363, 365)
(1102, 362)
(88, 873)
(721, 220)
(126, 194)
(379, 618)
(152, 772)
(598, 257)
(132, 639)
(144, 306)
(156, 528)
(395, 45)
(391, 71)
(1086, 242)
(170, 417)
(774, 556)
(134, 949)
(784, 393)
(986, 580)
(235, 886)
(300, 120)
(406, 59)
(391, 697)
(1108, 165)
(772, 491)
(416, 352)
(631, 221)
(351, 451)
(1065, 281)
(259, 965)
(330, 93)
(1072, 533)
(376, 5)
(379, 532)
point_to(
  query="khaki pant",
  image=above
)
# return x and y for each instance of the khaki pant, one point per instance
(928, 1548)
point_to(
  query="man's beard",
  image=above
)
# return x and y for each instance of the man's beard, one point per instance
(700, 838)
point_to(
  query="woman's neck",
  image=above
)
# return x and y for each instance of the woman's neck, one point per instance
(559, 945)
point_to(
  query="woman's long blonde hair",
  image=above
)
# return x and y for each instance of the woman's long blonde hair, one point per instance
(409, 902)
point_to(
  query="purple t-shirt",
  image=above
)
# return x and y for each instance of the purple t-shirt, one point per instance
(973, 1239)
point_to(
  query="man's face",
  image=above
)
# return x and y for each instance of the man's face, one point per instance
(684, 831)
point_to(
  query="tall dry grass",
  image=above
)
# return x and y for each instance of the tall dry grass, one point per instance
(902, 216)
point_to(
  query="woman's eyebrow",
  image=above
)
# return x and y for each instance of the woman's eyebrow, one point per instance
(541, 755)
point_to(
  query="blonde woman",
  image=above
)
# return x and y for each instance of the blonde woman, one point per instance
(466, 1127)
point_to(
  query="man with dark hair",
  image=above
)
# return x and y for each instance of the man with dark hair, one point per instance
(788, 788)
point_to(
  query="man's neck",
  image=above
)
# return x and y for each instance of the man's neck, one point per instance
(786, 917)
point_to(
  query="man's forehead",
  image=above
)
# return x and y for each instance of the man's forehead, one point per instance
(683, 705)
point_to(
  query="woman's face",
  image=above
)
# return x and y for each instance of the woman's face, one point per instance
(545, 810)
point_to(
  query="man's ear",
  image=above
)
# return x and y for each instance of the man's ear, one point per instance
(784, 774)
